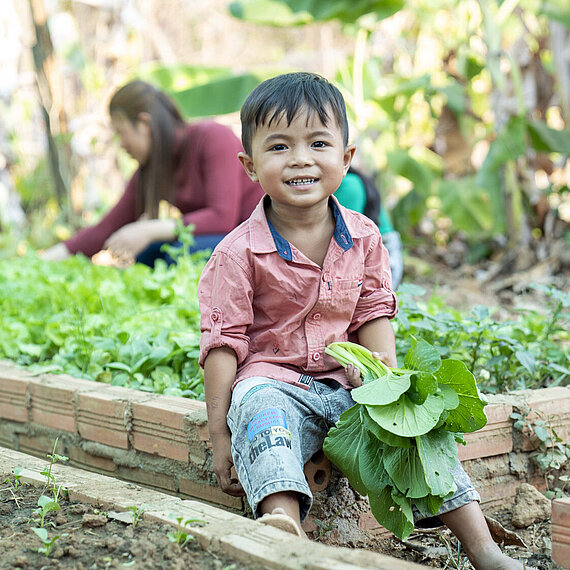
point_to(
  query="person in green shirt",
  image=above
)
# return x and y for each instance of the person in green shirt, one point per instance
(358, 192)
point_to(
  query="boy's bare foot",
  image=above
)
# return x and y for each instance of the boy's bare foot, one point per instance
(279, 519)
(494, 559)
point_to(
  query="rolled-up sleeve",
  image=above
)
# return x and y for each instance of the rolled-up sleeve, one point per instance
(376, 298)
(225, 294)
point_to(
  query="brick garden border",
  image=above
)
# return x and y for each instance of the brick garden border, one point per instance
(162, 442)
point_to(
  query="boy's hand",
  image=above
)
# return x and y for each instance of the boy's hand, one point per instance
(223, 463)
(353, 373)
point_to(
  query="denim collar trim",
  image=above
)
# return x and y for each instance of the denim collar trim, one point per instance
(341, 234)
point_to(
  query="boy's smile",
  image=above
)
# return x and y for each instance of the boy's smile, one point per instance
(301, 164)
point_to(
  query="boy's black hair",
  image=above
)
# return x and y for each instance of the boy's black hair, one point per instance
(287, 94)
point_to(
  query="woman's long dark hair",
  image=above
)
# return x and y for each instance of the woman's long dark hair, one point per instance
(156, 180)
(373, 200)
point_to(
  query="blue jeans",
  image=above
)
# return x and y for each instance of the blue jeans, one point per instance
(153, 252)
(277, 427)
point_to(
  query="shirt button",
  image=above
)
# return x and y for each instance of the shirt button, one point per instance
(316, 356)
(215, 316)
(316, 316)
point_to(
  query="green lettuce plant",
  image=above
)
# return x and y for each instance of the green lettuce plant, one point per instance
(398, 443)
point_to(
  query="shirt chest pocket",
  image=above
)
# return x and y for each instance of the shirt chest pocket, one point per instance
(347, 289)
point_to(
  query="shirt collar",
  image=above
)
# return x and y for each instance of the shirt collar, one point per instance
(265, 238)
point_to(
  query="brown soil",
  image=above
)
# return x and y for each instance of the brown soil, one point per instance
(91, 539)
(438, 548)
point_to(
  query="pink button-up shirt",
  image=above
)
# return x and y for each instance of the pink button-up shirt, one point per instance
(278, 310)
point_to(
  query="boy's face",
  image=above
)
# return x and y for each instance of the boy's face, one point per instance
(301, 164)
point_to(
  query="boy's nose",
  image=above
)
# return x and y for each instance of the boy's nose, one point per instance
(301, 156)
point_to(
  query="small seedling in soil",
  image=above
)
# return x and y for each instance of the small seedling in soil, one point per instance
(136, 513)
(47, 472)
(181, 537)
(16, 482)
(46, 505)
(47, 543)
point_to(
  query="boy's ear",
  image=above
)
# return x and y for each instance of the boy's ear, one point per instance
(348, 156)
(248, 166)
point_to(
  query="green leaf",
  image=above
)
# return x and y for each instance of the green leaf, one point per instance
(269, 13)
(393, 511)
(406, 470)
(469, 205)
(382, 391)
(372, 471)
(405, 418)
(438, 454)
(509, 145)
(429, 505)
(218, 97)
(421, 387)
(401, 162)
(450, 397)
(42, 533)
(347, 12)
(455, 95)
(545, 139)
(344, 443)
(383, 435)
(422, 356)
(468, 416)
(527, 359)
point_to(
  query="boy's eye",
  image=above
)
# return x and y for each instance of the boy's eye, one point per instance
(319, 144)
(278, 147)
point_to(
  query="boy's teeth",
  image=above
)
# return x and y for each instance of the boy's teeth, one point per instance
(302, 181)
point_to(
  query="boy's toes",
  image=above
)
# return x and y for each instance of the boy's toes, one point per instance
(278, 519)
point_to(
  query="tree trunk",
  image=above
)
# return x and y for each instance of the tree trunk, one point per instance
(52, 110)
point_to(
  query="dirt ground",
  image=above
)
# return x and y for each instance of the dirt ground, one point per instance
(92, 539)
(438, 548)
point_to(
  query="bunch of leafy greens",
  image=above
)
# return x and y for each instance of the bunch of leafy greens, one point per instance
(399, 442)
(135, 327)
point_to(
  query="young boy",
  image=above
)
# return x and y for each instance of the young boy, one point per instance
(300, 273)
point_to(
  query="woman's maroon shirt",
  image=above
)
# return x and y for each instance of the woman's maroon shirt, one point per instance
(212, 190)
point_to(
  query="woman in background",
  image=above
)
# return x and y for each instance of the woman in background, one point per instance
(192, 166)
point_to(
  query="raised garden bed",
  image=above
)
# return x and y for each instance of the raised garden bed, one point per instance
(162, 442)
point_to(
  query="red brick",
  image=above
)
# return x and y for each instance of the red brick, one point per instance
(551, 405)
(80, 458)
(318, 472)
(208, 493)
(52, 401)
(148, 478)
(102, 415)
(495, 438)
(40, 445)
(13, 400)
(158, 426)
(8, 436)
(204, 434)
(561, 532)
(366, 521)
